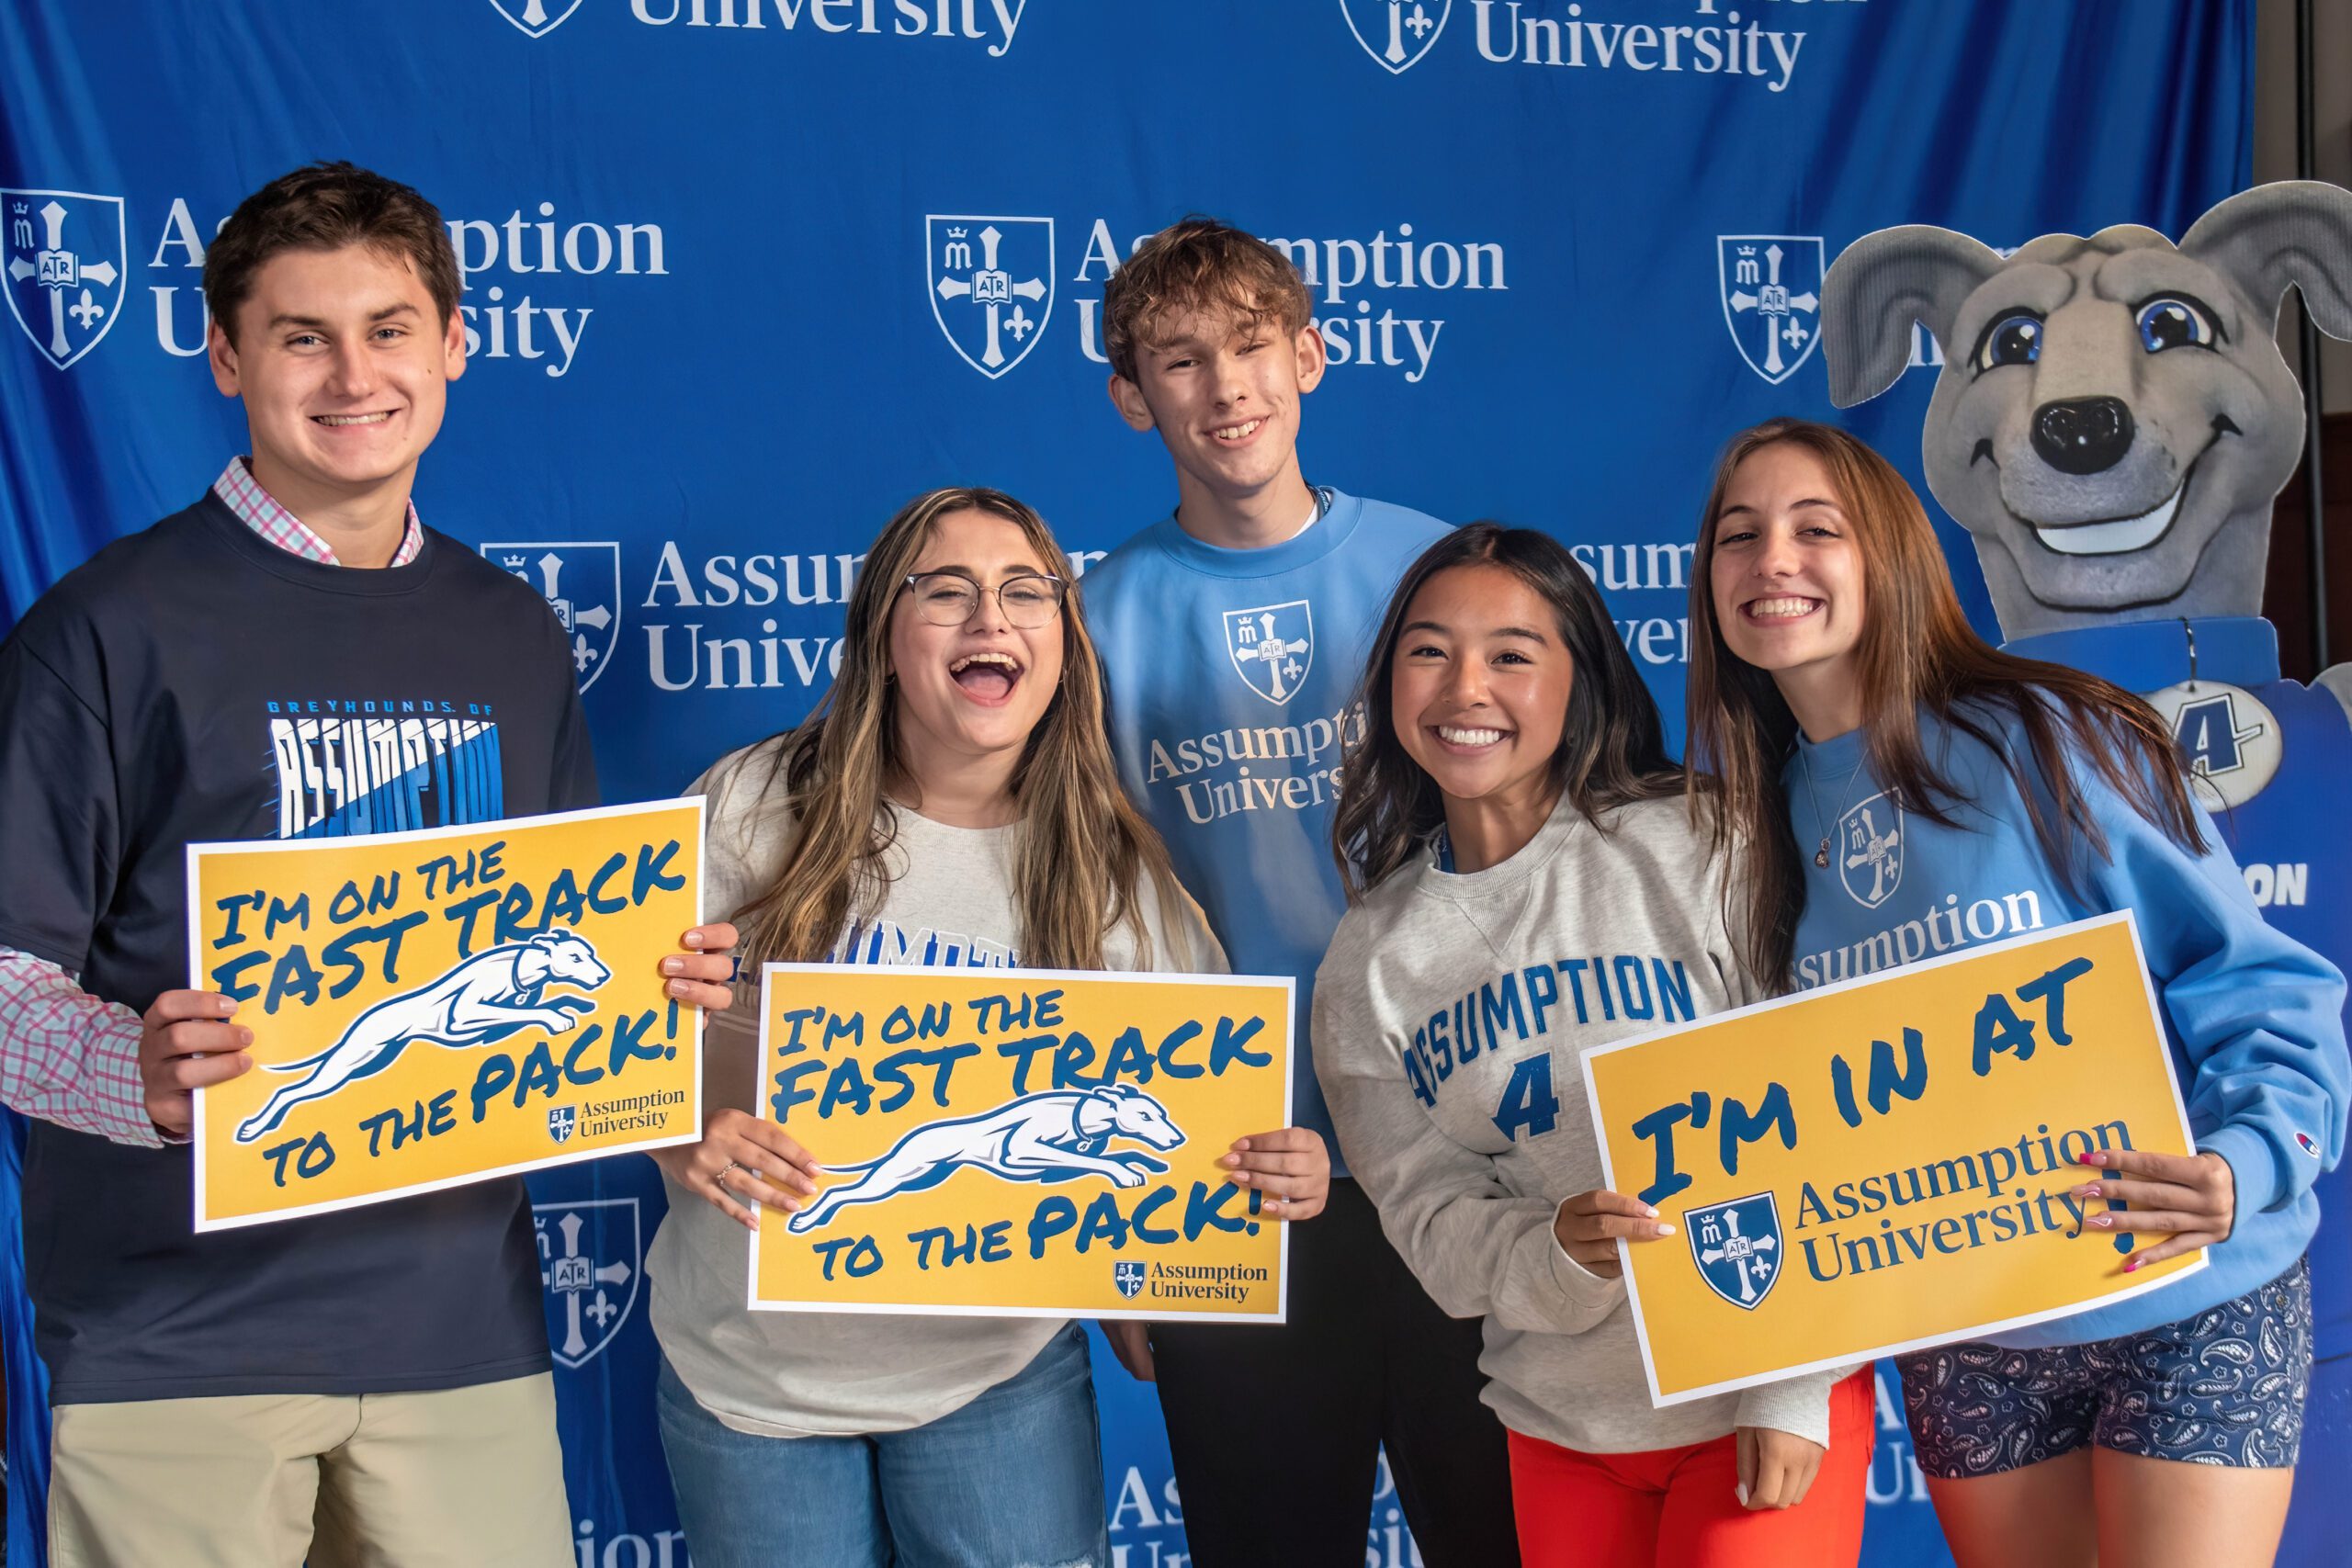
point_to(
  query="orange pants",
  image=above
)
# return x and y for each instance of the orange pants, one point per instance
(1676, 1508)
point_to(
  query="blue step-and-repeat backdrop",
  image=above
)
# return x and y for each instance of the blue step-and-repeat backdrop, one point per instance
(720, 260)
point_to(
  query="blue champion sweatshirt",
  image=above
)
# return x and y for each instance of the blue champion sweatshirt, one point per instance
(1232, 677)
(2254, 1018)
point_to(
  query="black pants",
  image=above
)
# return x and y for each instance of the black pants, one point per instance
(1276, 1431)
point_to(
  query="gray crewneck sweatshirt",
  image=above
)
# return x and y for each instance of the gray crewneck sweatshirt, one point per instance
(1435, 1009)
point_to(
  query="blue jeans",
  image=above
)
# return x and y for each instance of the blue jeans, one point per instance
(1014, 1478)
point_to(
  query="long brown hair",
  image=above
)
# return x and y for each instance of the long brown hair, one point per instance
(1612, 748)
(1081, 848)
(1917, 654)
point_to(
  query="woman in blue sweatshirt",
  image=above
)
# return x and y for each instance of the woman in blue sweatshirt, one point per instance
(1895, 787)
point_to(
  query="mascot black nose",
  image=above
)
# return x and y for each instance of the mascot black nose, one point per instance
(2083, 436)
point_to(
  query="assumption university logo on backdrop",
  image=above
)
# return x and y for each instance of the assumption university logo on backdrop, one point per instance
(1869, 850)
(1128, 1276)
(590, 1260)
(1396, 32)
(537, 17)
(1736, 1245)
(1772, 295)
(65, 268)
(1273, 648)
(581, 583)
(991, 286)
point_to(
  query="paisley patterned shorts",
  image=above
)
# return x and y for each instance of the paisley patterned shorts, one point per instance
(2224, 1386)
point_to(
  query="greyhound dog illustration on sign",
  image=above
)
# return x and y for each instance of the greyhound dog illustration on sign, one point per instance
(482, 1000)
(2111, 424)
(1054, 1136)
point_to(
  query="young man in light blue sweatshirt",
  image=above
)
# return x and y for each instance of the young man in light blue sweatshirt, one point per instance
(1232, 633)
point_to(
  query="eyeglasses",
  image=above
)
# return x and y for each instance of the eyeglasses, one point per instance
(949, 598)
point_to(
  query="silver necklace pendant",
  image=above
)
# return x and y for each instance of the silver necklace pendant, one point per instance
(1821, 855)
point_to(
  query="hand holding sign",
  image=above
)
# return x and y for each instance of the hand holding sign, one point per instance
(1588, 1227)
(184, 1042)
(731, 1166)
(1289, 1164)
(700, 978)
(2192, 1197)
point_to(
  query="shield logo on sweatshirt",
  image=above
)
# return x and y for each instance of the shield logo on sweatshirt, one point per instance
(1869, 850)
(1736, 1245)
(1273, 648)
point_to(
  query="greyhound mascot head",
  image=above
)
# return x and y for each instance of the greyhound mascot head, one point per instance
(2114, 418)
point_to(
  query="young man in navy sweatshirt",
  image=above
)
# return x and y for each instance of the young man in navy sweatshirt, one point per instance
(370, 1385)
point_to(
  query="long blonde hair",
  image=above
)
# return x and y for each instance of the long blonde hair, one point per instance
(1081, 848)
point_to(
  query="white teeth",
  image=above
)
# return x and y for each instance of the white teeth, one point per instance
(353, 418)
(1239, 431)
(2113, 538)
(1764, 607)
(1005, 659)
(1457, 737)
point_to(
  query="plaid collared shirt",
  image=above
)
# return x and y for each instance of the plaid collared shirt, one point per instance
(65, 1056)
(261, 511)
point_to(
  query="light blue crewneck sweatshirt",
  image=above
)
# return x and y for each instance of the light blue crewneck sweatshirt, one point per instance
(1232, 678)
(2254, 1019)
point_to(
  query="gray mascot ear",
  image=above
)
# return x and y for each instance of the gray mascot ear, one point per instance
(2297, 232)
(1877, 287)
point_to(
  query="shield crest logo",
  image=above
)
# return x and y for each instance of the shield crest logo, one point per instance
(65, 267)
(1771, 296)
(536, 19)
(991, 286)
(561, 1119)
(590, 1261)
(1273, 648)
(1396, 33)
(1128, 1276)
(1869, 850)
(1736, 1245)
(581, 583)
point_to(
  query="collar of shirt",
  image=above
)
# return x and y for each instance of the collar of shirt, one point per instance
(2147, 655)
(261, 511)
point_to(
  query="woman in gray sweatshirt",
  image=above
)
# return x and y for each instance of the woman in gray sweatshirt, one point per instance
(1526, 883)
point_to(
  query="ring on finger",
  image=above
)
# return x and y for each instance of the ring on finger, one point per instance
(719, 1182)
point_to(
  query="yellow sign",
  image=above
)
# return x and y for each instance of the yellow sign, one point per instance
(1022, 1142)
(1883, 1165)
(438, 1006)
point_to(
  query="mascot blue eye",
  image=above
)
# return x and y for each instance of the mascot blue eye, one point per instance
(2172, 323)
(2012, 340)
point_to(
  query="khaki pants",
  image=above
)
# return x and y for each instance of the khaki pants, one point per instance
(454, 1478)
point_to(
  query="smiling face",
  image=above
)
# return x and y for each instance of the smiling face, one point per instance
(2109, 406)
(1479, 688)
(1224, 392)
(343, 362)
(1784, 573)
(968, 695)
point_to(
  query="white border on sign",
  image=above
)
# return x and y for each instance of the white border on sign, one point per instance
(419, 835)
(1850, 1359)
(1289, 988)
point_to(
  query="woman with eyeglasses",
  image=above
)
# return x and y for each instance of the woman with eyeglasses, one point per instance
(952, 801)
